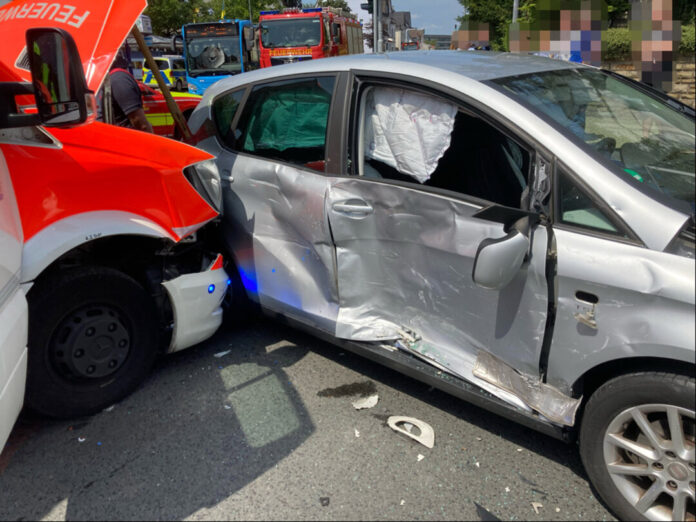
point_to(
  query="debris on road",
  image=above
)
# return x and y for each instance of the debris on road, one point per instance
(420, 457)
(110, 408)
(221, 354)
(366, 402)
(536, 506)
(402, 502)
(325, 501)
(81, 439)
(519, 449)
(558, 510)
(227, 407)
(357, 433)
(426, 435)
(507, 489)
(478, 464)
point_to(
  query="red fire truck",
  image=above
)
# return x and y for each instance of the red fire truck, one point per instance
(294, 35)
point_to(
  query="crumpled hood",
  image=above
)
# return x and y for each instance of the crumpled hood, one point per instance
(99, 27)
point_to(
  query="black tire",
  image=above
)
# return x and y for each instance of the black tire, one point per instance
(608, 409)
(92, 341)
(179, 85)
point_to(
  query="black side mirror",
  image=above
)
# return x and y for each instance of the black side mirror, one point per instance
(60, 88)
(248, 34)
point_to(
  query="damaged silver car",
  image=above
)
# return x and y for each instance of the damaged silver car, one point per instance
(514, 230)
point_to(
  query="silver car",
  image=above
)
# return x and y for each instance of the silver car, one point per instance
(515, 230)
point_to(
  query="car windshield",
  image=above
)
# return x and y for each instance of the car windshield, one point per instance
(642, 135)
(297, 32)
(213, 56)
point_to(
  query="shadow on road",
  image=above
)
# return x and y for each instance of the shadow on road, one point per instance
(201, 428)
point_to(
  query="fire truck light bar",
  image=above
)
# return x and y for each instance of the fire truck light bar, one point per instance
(312, 10)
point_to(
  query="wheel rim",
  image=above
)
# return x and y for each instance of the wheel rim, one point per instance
(91, 343)
(649, 454)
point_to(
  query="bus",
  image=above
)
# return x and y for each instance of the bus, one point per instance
(215, 50)
(294, 34)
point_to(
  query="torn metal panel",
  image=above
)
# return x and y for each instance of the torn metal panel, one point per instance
(276, 227)
(409, 264)
(541, 397)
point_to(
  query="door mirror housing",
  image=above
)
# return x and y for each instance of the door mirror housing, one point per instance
(248, 34)
(498, 260)
(60, 88)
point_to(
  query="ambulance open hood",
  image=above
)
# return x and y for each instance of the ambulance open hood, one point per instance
(99, 27)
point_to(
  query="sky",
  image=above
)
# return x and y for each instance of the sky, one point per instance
(435, 16)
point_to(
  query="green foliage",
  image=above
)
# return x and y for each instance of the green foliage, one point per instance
(169, 15)
(684, 11)
(618, 44)
(618, 11)
(496, 13)
(688, 35)
(341, 4)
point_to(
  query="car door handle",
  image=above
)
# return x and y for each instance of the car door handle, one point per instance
(353, 207)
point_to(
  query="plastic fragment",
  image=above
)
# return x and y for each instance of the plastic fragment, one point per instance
(221, 354)
(357, 433)
(366, 402)
(478, 464)
(426, 436)
(519, 450)
(402, 502)
(420, 457)
(478, 438)
(507, 489)
(227, 406)
(558, 510)
(536, 506)
(81, 439)
(110, 408)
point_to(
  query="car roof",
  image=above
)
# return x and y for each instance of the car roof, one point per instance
(474, 65)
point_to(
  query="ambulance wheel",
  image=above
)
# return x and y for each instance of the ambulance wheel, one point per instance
(92, 341)
(179, 85)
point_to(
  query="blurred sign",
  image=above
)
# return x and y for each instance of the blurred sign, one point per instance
(211, 29)
(144, 24)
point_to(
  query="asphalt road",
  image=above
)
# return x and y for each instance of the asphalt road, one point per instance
(263, 433)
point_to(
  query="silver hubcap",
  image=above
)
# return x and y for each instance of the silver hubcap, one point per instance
(649, 453)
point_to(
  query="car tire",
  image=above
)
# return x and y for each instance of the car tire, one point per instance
(637, 445)
(179, 85)
(92, 341)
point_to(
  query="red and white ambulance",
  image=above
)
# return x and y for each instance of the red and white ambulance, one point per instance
(108, 220)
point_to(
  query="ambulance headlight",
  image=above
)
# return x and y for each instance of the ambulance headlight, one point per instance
(205, 178)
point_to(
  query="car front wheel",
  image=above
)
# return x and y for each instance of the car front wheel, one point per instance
(637, 445)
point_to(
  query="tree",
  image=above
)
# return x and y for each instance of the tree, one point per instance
(341, 4)
(169, 15)
(496, 13)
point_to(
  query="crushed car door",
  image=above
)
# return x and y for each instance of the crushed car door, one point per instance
(272, 164)
(432, 183)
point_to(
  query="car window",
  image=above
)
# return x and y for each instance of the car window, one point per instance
(162, 64)
(577, 208)
(224, 110)
(640, 135)
(287, 121)
(415, 137)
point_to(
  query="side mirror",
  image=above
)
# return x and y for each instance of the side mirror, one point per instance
(60, 88)
(248, 34)
(498, 260)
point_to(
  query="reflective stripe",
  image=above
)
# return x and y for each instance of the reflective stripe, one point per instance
(158, 119)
